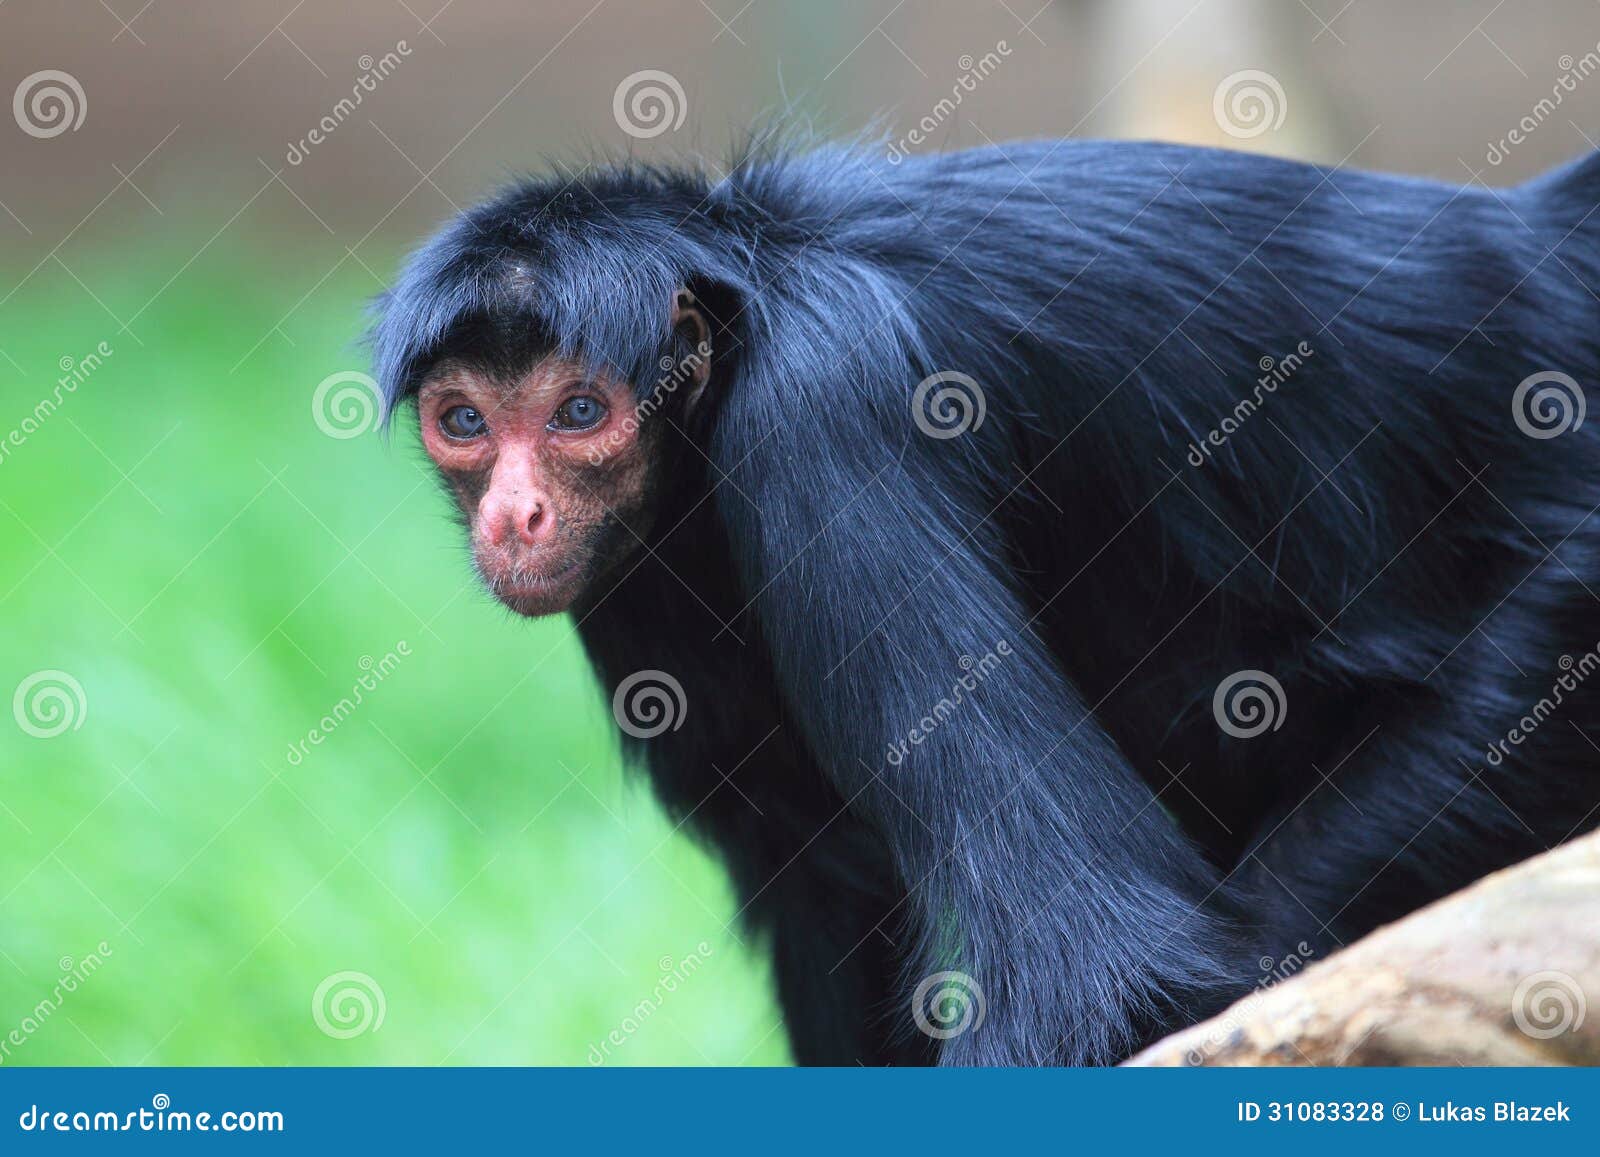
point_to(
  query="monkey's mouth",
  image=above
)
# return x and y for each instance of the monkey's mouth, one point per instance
(536, 592)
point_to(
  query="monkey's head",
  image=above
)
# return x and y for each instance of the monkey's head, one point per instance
(555, 466)
(556, 342)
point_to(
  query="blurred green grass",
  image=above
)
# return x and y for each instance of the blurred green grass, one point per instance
(213, 569)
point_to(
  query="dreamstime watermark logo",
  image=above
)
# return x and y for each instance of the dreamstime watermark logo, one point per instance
(1274, 372)
(948, 1004)
(1248, 703)
(976, 672)
(673, 973)
(1574, 672)
(648, 703)
(948, 404)
(372, 71)
(972, 72)
(373, 673)
(49, 703)
(1548, 404)
(160, 1118)
(1547, 1004)
(346, 404)
(1248, 103)
(74, 372)
(648, 103)
(1572, 71)
(674, 373)
(1221, 1030)
(49, 103)
(348, 1004)
(73, 974)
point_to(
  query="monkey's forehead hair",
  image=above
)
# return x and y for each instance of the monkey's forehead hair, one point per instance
(585, 265)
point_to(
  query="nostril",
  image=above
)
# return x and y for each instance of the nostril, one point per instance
(530, 524)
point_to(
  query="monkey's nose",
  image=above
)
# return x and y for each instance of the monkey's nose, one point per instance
(524, 514)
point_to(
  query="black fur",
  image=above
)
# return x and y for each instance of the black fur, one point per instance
(1078, 834)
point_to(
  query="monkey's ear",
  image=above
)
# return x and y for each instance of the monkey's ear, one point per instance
(692, 339)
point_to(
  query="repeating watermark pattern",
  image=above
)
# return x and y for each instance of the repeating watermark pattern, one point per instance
(648, 703)
(1547, 1004)
(1249, 103)
(673, 974)
(947, 1004)
(49, 103)
(976, 673)
(346, 404)
(372, 72)
(49, 703)
(948, 404)
(1548, 404)
(1274, 372)
(1274, 973)
(74, 372)
(348, 1004)
(73, 974)
(1572, 71)
(648, 103)
(1575, 672)
(1249, 703)
(674, 373)
(972, 73)
(373, 673)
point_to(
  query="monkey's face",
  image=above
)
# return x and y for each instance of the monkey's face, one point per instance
(550, 471)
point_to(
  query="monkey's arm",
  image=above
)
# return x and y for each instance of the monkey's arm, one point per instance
(1036, 860)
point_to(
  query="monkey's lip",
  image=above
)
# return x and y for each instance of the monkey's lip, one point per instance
(537, 593)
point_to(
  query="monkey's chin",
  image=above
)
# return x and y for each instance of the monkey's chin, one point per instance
(536, 596)
(536, 606)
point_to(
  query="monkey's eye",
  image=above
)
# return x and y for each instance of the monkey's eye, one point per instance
(463, 423)
(580, 413)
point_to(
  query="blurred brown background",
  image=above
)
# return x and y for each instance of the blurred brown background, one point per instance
(220, 92)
